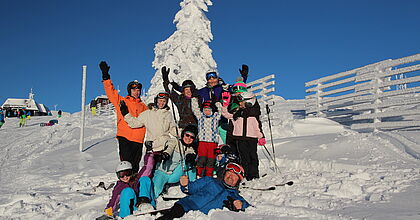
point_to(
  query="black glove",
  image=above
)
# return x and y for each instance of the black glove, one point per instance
(148, 145)
(165, 156)
(190, 159)
(165, 74)
(123, 108)
(176, 86)
(105, 70)
(195, 93)
(229, 204)
(244, 71)
(161, 157)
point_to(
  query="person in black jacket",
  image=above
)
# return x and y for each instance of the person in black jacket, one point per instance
(183, 100)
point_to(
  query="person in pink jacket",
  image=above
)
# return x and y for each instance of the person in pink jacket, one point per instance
(247, 133)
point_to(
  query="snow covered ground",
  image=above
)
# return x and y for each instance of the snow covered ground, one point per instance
(337, 173)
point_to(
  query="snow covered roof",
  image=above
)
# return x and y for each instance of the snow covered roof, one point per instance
(29, 104)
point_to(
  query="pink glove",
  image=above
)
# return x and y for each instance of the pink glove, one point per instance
(226, 98)
(262, 141)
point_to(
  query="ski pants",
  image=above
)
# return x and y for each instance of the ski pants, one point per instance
(161, 178)
(22, 121)
(148, 164)
(128, 197)
(130, 151)
(249, 157)
(206, 158)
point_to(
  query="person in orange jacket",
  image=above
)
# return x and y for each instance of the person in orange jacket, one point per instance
(130, 140)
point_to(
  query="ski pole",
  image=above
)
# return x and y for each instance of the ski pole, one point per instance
(271, 132)
(272, 159)
(177, 141)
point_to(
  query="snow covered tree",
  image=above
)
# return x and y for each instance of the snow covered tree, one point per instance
(186, 51)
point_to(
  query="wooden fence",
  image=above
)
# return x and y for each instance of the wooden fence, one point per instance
(382, 95)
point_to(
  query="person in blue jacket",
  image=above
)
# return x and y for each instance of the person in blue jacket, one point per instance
(210, 193)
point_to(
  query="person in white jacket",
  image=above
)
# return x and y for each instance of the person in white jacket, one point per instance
(159, 125)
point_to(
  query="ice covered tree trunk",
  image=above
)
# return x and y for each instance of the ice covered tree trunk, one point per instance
(186, 51)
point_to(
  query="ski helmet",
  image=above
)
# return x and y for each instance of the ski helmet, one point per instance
(162, 95)
(248, 97)
(223, 149)
(188, 83)
(239, 87)
(238, 170)
(123, 165)
(133, 85)
(207, 104)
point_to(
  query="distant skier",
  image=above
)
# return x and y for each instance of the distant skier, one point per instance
(130, 140)
(208, 193)
(60, 113)
(22, 118)
(1, 118)
(129, 188)
(93, 105)
(183, 101)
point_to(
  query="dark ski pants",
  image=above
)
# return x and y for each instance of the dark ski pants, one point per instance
(130, 151)
(249, 157)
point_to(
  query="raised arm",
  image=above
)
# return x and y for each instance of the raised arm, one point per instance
(195, 108)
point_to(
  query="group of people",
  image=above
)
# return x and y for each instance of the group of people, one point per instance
(216, 135)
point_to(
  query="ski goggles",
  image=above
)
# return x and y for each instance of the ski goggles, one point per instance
(239, 89)
(236, 169)
(188, 135)
(135, 86)
(211, 75)
(163, 95)
(124, 173)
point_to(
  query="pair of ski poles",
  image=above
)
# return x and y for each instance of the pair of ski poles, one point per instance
(272, 157)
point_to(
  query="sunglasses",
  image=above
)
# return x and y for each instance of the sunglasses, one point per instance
(189, 136)
(235, 169)
(124, 173)
(163, 95)
(211, 75)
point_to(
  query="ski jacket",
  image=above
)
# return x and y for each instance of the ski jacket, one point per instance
(210, 93)
(159, 124)
(208, 193)
(135, 106)
(207, 125)
(246, 124)
(1, 116)
(118, 188)
(183, 104)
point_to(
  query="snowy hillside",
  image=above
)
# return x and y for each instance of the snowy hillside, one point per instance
(337, 173)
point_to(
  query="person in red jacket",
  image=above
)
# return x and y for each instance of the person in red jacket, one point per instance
(130, 140)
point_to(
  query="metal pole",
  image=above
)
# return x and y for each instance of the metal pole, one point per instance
(82, 118)
(271, 134)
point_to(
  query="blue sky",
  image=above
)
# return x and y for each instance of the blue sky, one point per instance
(44, 43)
